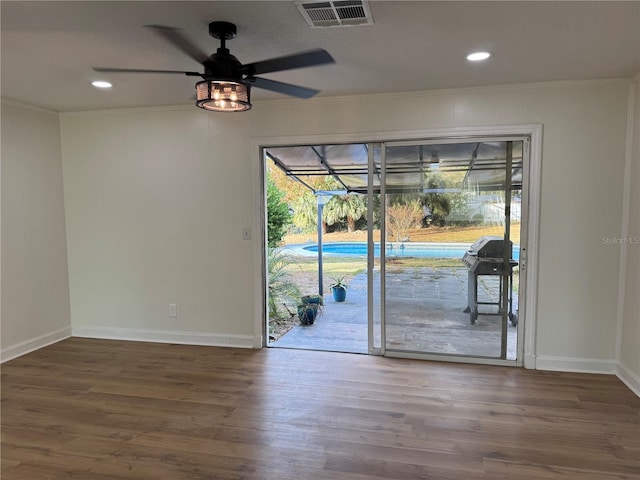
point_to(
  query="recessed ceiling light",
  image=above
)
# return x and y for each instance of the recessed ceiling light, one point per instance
(101, 84)
(478, 56)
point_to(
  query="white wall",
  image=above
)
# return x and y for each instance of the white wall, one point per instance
(35, 286)
(629, 342)
(156, 199)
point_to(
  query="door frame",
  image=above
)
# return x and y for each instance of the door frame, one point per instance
(531, 204)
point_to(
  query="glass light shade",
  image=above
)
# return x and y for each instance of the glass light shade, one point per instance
(223, 96)
(101, 84)
(478, 56)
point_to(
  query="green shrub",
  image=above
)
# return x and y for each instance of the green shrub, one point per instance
(278, 214)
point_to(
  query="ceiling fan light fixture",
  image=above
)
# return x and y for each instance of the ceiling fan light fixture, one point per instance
(227, 83)
(223, 96)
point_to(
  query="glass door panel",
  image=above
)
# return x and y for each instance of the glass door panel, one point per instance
(450, 285)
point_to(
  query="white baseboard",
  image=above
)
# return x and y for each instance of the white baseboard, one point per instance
(29, 346)
(164, 336)
(629, 378)
(578, 365)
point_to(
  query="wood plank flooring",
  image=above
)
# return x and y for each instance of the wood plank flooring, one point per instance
(99, 409)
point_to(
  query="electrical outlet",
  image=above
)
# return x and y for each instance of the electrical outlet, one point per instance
(173, 310)
(246, 233)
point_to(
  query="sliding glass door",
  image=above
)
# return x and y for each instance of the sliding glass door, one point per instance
(427, 235)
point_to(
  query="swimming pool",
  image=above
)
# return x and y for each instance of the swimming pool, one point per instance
(414, 249)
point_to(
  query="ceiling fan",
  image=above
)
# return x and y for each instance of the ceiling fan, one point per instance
(226, 84)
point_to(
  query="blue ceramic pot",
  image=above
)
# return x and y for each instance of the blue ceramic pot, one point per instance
(339, 294)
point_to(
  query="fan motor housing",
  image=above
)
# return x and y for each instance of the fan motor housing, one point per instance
(223, 65)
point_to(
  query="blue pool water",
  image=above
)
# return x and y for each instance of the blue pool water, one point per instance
(423, 250)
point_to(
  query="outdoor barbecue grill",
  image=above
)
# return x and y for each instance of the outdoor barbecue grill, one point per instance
(486, 257)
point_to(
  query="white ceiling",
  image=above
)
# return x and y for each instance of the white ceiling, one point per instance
(48, 48)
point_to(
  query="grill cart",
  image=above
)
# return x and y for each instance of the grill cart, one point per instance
(486, 257)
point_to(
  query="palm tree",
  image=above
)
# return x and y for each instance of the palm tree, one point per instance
(282, 289)
(351, 207)
(439, 204)
(305, 211)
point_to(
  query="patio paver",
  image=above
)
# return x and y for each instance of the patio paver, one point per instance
(424, 313)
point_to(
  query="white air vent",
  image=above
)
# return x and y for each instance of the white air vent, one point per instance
(336, 13)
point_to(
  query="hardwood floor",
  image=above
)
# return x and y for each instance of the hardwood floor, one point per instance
(98, 409)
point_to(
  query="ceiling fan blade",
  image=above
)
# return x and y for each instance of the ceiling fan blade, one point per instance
(289, 62)
(281, 87)
(138, 70)
(175, 36)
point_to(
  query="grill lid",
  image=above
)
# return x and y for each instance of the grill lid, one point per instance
(491, 247)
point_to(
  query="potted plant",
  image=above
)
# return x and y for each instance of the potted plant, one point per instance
(313, 299)
(339, 289)
(309, 309)
(307, 313)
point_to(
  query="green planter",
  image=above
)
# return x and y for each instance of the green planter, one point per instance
(312, 299)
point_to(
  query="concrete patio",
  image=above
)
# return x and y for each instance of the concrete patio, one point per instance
(425, 313)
